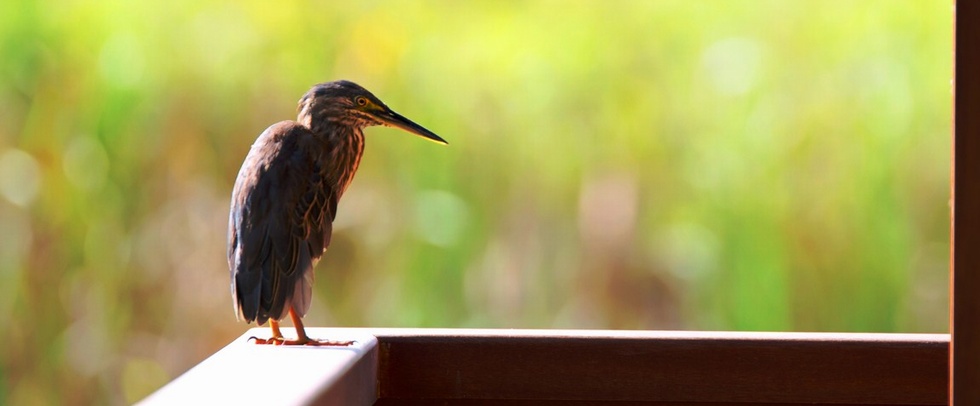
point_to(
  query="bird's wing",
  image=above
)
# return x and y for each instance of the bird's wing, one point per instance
(279, 225)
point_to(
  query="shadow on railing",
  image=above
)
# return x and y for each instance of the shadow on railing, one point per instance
(480, 367)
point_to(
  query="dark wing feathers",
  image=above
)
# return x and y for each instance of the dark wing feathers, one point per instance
(280, 223)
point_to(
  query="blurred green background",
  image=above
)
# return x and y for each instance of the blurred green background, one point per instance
(736, 165)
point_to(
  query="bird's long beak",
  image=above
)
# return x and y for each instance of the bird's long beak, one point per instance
(392, 119)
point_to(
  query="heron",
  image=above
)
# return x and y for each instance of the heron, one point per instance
(285, 200)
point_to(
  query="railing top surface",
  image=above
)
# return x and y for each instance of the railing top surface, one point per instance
(383, 333)
(244, 373)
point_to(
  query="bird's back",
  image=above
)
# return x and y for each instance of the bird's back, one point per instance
(282, 208)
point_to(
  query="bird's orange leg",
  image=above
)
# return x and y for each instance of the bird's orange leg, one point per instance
(276, 335)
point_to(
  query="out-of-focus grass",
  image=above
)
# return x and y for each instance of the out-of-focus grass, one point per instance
(636, 164)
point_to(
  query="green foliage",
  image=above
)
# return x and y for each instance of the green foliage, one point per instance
(636, 164)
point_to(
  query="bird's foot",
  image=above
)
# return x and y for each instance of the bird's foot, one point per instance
(270, 340)
(324, 343)
(300, 341)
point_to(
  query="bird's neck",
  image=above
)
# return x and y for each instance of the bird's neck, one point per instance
(345, 147)
(342, 145)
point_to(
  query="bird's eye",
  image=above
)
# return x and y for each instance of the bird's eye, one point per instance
(361, 101)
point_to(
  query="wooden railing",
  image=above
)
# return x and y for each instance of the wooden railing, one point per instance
(523, 367)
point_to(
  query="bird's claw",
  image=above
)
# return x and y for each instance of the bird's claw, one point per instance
(308, 341)
(270, 340)
(328, 343)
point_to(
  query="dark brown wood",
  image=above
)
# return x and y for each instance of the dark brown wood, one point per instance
(497, 402)
(965, 277)
(671, 367)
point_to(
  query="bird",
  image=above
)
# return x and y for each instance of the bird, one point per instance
(285, 200)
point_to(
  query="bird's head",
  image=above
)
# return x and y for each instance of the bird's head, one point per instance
(347, 103)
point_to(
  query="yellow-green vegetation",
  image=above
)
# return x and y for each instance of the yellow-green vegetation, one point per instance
(738, 165)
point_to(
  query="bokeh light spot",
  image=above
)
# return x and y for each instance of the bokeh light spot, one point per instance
(21, 177)
(440, 217)
(733, 64)
(86, 164)
(121, 60)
